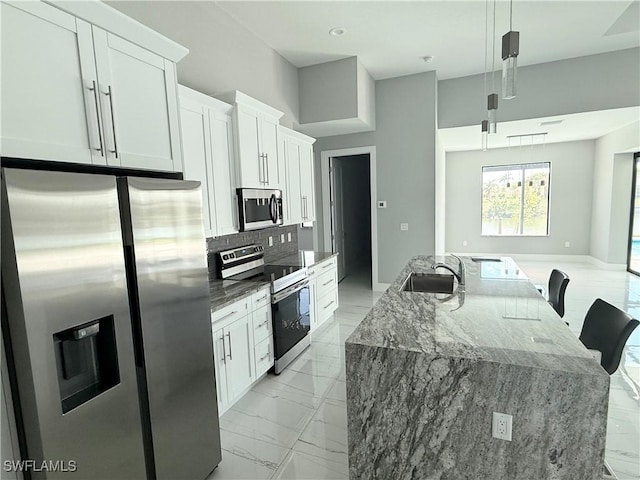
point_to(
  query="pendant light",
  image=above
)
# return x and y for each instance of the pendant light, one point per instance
(510, 51)
(485, 135)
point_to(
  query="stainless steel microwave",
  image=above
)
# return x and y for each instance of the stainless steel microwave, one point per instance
(259, 208)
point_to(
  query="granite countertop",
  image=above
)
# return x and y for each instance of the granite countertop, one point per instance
(304, 258)
(225, 292)
(497, 316)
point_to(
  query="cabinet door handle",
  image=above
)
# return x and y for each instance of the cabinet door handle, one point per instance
(327, 283)
(328, 304)
(113, 122)
(266, 163)
(230, 353)
(94, 89)
(224, 350)
(261, 298)
(263, 323)
(260, 168)
(327, 266)
(227, 315)
(265, 356)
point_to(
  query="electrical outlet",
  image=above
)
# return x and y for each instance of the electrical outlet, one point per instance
(501, 426)
(289, 237)
(282, 238)
(270, 241)
(404, 227)
(382, 204)
(567, 244)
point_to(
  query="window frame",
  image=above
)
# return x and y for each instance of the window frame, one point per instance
(510, 166)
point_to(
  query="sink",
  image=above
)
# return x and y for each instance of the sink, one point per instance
(429, 283)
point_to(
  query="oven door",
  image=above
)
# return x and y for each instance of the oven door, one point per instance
(259, 208)
(291, 322)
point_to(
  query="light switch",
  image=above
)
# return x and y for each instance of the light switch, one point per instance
(270, 241)
(289, 237)
(282, 238)
(404, 227)
(382, 204)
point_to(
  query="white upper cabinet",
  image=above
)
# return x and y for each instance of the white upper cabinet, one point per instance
(73, 91)
(139, 103)
(222, 157)
(256, 126)
(296, 151)
(49, 86)
(207, 140)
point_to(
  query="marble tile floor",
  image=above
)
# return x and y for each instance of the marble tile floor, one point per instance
(293, 426)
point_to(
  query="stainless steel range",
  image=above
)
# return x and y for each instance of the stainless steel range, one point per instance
(289, 298)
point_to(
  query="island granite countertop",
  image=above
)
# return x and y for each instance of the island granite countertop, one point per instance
(497, 316)
(426, 373)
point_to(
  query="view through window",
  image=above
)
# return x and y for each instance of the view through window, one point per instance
(515, 199)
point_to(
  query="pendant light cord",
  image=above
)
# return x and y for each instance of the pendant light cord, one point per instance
(486, 43)
(493, 54)
(510, 15)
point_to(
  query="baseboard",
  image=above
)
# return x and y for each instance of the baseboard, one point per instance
(380, 287)
(606, 266)
(543, 257)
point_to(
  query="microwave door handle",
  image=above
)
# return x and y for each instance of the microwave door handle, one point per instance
(273, 208)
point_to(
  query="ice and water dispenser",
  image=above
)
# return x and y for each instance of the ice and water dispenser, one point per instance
(86, 360)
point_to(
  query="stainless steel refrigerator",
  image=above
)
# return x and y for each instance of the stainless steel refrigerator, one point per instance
(106, 320)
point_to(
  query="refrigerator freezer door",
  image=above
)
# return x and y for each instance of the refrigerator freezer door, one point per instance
(169, 257)
(63, 271)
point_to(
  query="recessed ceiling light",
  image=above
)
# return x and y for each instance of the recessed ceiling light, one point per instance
(337, 31)
(550, 122)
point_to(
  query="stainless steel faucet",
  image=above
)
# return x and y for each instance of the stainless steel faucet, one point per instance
(460, 274)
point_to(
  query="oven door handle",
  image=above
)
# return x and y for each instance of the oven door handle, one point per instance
(289, 291)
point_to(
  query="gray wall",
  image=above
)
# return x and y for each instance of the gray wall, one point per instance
(356, 207)
(224, 55)
(405, 151)
(329, 91)
(570, 199)
(583, 84)
(612, 193)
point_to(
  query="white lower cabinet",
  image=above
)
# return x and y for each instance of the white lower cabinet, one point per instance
(242, 346)
(323, 280)
(233, 352)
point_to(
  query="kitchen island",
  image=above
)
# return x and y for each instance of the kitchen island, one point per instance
(426, 371)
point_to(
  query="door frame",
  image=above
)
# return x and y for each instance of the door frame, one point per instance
(325, 157)
(634, 186)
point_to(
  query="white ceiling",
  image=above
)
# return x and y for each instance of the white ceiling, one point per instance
(391, 37)
(577, 126)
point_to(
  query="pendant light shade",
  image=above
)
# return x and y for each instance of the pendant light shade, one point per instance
(485, 134)
(492, 109)
(510, 50)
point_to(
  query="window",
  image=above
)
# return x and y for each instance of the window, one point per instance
(515, 199)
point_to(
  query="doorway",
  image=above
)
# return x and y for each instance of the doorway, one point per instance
(350, 199)
(633, 252)
(350, 223)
